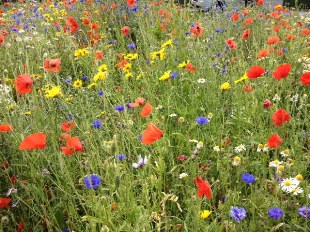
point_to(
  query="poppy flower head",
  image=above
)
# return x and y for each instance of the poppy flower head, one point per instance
(23, 84)
(125, 30)
(146, 110)
(263, 53)
(204, 188)
(33, 141)
(305, 78)
(4, 203)
(67, 126)
(246, 33)
(282, 71)
(131, 3)
(255, 72)
(151, 134)
(73, 145)
(5, 127)
(274, 141)
(52, 65)
(280, 117)
(273, 40)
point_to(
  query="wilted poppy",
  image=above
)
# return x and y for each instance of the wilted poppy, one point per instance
(23, 83)
(151, 134)
(204, 188)
(146, 110)
(4, 203)
(305, 78)
(280, 117)
(33, 141)
(282, 71)
(73, 145)
(52, 65)
(274, 141)
(5, 127)
(255, 72)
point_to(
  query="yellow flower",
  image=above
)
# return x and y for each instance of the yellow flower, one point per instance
(225, 86)
(128, 75)
(68, 99)
(205, 214)
(53, 92)
(81, 52)
(183, 65)
(160, 54)
(131, 56)
(100, 76)
(77, 84)
(27, 113)
(103, 68)
(166, 76)
(127, 67)
(299, 177)
(36, 76)
(244, 77)
(181, 119)
(92, 85)
(167, 43)
(139, 77)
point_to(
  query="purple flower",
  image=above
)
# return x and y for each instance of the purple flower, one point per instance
(202, 120)
(92, 181)
(275, 213)
(120, 108)
(248, 178)
(97, 124)
(304, 212)
(141, 162)
(121, 157)
(173, 75)
(100, 92)
(237, 213)
(131, 46)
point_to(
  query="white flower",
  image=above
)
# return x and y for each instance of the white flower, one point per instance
(237, 161)
(276, 98)
(199, 145)
(275, 163)
(216, 148)
(266, 148)
(173, 115)
(201, 81)
(297, 190)
(141, 162)
(285, 153)
(288, 185)
(183, 175)
(240, 148)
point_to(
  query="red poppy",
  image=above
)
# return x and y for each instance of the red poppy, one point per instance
(190, 67)
(247, 88)
(273, 40)
(131, 3)
(235, 17)
(151, 134)
(23, 84)
(71, 25)
(4, 203)
(277, 28)
(204, 188)
(278, 7)
(21, 226)
(73, 145)
(274, 141)
(305, 31)
(267, 104)
(99, 55)
(263, 53)
(146, 110)
(1, 39)
(260, 2)
(64, 137)
(231, 43)
(290, 37)
(86, 21)
(280, 117)
(52, 65)
(255, 72)
(33, 141)
(282, 71)
(246, 34)
(125, 30)
(248, 21)
(305, 78)
(196, 30)
(5, 127)
(67, 126)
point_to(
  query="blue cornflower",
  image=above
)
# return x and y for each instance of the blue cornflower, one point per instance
(84, 78)
(304, 212)
(275, 213)
(237, 213)
(121, 157)
(92, 181)
(100, 92)
(202, 120)
(70, 117)
(131, 46)
(248, 178)
(120, 108)
(97, 124)
(174, 75)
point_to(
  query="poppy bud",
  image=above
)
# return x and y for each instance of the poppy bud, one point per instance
(267, 104)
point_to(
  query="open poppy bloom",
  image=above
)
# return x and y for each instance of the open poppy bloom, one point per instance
(246, 33)
(280, 117)
(4, 203)
(23, 84)
(67, 126)
(263, 53)
(52, 65)
(255, 72)
(305, 78)
(151, 134)
(125, 30)
(131, 3)
(204, 188)
(5, 127)
(274, 141)
(273, 40)
(146, 110)
(73, 145)
(33, 141)
(282, 71)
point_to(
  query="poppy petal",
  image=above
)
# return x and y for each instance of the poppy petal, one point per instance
(5, 128)
(33, 141)
(146, 110)
(151, 134)
(23, 84)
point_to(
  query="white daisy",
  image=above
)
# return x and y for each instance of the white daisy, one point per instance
(183, 175)
(297, 191)
(275, 163)
(240, 148)
(288, 185)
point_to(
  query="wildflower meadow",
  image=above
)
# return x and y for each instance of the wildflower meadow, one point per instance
(135, 115)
